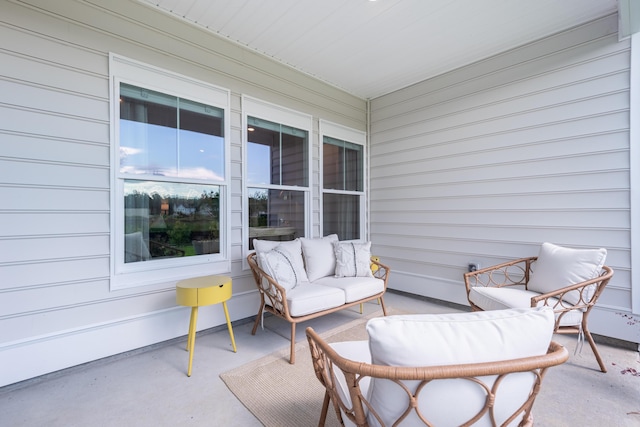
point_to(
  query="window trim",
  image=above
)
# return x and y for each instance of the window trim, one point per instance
(254, 107)
(163, 272)
(354, 136)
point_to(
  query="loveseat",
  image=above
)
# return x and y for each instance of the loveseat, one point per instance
(306, 278)
(480, 368)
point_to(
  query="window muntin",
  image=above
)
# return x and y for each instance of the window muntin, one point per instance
(343, 188)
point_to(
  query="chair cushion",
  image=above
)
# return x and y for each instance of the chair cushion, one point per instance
(357, 351)
(354, 288)
(310, 298)
(446, 339)
(488, 298)
(558, 267)
(353, 259)
(319, 257)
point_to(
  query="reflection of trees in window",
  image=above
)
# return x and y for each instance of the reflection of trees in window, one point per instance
(171, 223)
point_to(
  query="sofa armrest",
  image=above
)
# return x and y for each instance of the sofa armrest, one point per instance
(380, 270)
(271, 292)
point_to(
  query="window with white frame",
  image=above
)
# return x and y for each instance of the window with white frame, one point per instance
(277, 172)
(343, 193)
(170, 175)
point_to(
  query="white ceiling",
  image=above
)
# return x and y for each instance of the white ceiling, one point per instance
(370, 48)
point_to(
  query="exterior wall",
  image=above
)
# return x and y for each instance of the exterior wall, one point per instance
(56, 309)
(487, 162)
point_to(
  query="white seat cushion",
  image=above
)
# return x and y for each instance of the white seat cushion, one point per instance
(319, 256)
(558, 267)
(488, 298)
(423, 340)
(308, 298)
(354, 288)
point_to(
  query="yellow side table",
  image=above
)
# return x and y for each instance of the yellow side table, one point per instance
(201, 291)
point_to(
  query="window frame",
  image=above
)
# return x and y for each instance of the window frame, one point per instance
(163, 271)
(254, 107)
(354, 136)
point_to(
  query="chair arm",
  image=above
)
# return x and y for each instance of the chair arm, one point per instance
(585, 292)
(381, 271)
(273, 294)
(510, 273)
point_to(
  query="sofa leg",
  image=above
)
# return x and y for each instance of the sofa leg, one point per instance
(384, 308)
(292, 355)
(258, 317)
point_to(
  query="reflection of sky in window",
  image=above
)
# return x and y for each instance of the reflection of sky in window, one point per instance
(258, 163)
(153, 149)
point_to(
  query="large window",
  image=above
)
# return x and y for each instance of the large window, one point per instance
(342, 184)
(170, 177)
(277, 171)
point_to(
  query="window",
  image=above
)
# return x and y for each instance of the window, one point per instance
(277, 171)
(170, 176)
(342, 182)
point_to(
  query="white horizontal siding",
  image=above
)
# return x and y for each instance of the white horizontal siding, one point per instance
(55, 173)
(486, 162)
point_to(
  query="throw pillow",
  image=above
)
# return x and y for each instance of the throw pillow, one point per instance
(558, 267)
(319, 257)
(293, 248)
(280, 264)
(353, 259)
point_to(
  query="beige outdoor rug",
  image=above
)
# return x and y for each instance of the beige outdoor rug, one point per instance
(283, 395)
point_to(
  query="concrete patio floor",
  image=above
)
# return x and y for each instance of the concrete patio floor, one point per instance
(149, 387)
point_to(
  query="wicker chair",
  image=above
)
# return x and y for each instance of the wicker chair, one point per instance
(486, 291)
(489, 393)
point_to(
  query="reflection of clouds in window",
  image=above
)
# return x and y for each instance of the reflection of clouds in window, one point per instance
(169, 189)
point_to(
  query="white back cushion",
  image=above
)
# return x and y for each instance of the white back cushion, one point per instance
(319, 257)
(558, 267)
(446, 339)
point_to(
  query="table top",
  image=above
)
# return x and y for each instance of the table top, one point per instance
(204, 282)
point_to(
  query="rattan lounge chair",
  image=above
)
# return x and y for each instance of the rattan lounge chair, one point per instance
(496, 391)
(572, 296)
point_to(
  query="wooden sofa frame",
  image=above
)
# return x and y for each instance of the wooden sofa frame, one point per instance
(273, 298)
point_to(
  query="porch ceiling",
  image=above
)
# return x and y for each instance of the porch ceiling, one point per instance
(371, 48)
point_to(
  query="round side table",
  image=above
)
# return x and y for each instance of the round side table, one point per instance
(201, 291)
